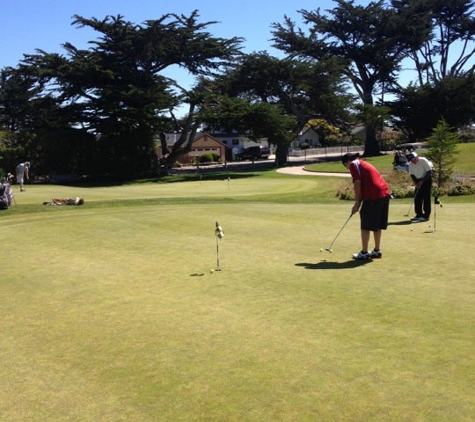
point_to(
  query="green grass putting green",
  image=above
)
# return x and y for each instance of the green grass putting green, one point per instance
(110, 311)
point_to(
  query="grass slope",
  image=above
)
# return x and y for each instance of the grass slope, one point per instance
(110, 313)
(464, 162)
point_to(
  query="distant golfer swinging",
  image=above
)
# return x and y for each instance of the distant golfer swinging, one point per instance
(22, 173)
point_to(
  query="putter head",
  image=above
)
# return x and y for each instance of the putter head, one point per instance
(329, 250)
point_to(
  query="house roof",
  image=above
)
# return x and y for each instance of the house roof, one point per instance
(205, 137)
(306, 129)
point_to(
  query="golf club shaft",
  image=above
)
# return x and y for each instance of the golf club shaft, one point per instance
(338, 234)
(412, 202)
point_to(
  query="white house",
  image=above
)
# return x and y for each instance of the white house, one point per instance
(307, 135)
(234, 142)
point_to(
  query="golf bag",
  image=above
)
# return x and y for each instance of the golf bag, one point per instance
(6, 196)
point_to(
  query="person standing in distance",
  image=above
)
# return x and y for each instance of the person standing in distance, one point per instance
(22, 173)
(371, 200)
(421, 170)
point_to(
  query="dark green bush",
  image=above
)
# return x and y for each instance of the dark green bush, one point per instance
(401, 186)
(209, 157)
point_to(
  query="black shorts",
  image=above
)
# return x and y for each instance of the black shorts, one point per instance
(374, 214)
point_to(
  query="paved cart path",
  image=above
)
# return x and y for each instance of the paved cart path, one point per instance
(300, 170)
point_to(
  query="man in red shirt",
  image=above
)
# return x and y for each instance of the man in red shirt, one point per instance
(372, 196)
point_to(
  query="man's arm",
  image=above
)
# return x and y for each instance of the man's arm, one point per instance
(428, 175)
(358, 198)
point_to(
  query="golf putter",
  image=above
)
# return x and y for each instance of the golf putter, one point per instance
(329, 249)
(412, 203)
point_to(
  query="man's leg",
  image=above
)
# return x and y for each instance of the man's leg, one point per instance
(364, 240)
(377, 240)
(418, 199)
(383, 224)
(426, 192)
(364, 254)
(366, 217)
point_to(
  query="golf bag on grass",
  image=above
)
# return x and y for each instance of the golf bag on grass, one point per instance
(6, 196)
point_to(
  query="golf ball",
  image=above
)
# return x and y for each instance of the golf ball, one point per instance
(331, 250)
(321, 249)
(412, 230)
(211, 271)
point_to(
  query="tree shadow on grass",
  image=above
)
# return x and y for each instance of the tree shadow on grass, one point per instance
(332, 265)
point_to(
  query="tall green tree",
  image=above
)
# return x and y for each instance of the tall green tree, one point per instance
(130, 103)
(444, 87)
(302, 89)
(442, 145)
(449, 50)
(369, 41)
(30, 113)
(418, 109)
(116, 90)
(259, 120)
(306, 88)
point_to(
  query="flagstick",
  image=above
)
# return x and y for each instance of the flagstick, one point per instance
(219, 234)
(217, 255)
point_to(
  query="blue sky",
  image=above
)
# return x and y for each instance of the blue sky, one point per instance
(27, 25)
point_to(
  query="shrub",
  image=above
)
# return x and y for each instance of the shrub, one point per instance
(457, 187)
(345, 192)
(401, 186)
(209, 157)
(466, 134)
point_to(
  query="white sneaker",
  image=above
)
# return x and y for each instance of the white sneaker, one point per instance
(377, 254)
(362, 255)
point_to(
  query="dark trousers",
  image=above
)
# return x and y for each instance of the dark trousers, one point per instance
(422, 204)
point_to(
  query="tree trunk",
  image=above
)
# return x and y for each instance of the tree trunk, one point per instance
(371, 142)
(281, 153)
(371, 148)
(184, 143)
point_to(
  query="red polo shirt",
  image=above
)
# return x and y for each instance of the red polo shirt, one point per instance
(373, 186)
